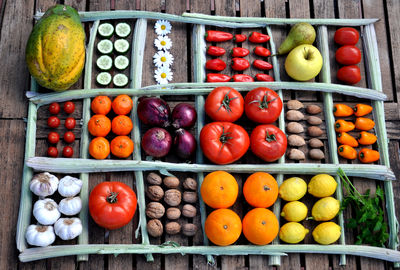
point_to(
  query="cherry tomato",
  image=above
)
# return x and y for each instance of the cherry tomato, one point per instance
(224, 104)
(268, 142)
(349, 74)
(53, 137)
(69, 137)
(348, 55)
(52, 151)
(69, 107)
(53, 122)
(346, 36)
(54, 108)
(67, 151)
(70, 123)
(262, 105)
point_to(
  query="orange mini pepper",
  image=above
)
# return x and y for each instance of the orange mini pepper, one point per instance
(347, 151)
(366, 138)
(343, 126)
(363, 123)
(347, 139)
(362, 109)
(342, 110)
(368, 155)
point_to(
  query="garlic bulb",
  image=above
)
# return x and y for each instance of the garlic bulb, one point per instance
(69, 186)
(70, 206)
(46, 211)
(68, 228)
(38, 235)
(43, 184)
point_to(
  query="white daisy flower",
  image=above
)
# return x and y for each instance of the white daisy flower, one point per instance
(163, 43)
(163, 75)
(163, 58)
(162, 27)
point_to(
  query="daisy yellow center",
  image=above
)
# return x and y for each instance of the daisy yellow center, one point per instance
(163, 27)
(163, 75)
(163, 43)
(163, 59)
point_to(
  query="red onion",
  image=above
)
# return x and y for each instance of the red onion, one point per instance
(156, 142)
(184, 143)
(154, 112)
(183, 116)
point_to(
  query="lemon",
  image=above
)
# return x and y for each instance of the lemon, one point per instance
(294, 211)
(325, 209)
(292, 232)
(322, 185)
(293, 189)
(326, 233)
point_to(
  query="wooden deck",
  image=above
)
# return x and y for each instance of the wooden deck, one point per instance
(16, 22)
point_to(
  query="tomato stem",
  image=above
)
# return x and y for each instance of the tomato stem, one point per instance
(270, 137)
(224, 137)
(264, 102)
(226, 102)
(112, 197)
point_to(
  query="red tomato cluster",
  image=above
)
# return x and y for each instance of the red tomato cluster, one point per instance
(238, 62)
(348, 55)
(54, 122)
(224, 142)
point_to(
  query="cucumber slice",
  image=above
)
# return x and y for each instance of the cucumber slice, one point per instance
(104, 62)
(121, 62)
(120, 80)
(103, 78)
(106, 30)
(122, 29)
(105, 46)
(121, 45)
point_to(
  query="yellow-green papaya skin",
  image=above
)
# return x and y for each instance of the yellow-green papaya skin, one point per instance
(55, 52)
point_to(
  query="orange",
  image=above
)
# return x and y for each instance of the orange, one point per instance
(260, 190)
(99, 125)
(260, 226)
(99, 148)
(223, 227)
(122, 104)
(121, 125)
(121, 146)
(101, 105)
(219, 189)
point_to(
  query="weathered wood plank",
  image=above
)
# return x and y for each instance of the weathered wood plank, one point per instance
(393, 11)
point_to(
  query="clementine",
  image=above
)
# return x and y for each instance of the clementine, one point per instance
(122, 104)
(99, 148)
(122, 146)
(121, 125)
(219, 189)
(223, 227)
(101, 105)
(99, 125)
(260, 190)
(260, 226)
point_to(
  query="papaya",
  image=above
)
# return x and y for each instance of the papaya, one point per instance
(55, 52)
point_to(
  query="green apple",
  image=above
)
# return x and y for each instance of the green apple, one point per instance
(303, 62)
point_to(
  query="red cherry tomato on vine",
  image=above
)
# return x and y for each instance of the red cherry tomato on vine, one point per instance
(54, 108)
(262, 105)
(346, 36)
(349, 74)
(69, 137)
(70, 123)
(224, 104)
(348, 55)
(53, 122)
(52, 151)
(268, 142)
(67, 151)
(53, 137)
(69, 107)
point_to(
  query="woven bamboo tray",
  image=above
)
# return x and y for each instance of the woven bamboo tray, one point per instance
(199, 89)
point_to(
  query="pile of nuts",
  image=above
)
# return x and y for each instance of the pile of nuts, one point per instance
(294, 115)
(172, 198)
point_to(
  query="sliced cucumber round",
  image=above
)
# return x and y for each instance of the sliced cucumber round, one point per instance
(120, 80)
(122, 29)
(121, 45)
(103, 78)
(121, 62)
(105, 46)
(104, 62)
(106, 30)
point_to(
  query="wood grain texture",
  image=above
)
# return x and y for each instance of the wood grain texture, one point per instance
(393, 11)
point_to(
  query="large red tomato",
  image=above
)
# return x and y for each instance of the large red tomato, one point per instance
(112, 204)
(262, 105)
(223, 142)
(348, 55)
(224, 104)
(346, 36)
(349, 74)
(268, 142)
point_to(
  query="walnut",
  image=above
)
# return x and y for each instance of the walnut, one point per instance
(173, 213)
(190, 183)
(189, 229)
(172, 197)
(154, 179)
(155, 210)
(155, 228)
(190, 196)
(171, 182)
(172, 227)
(189, 211)
(155, 193)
